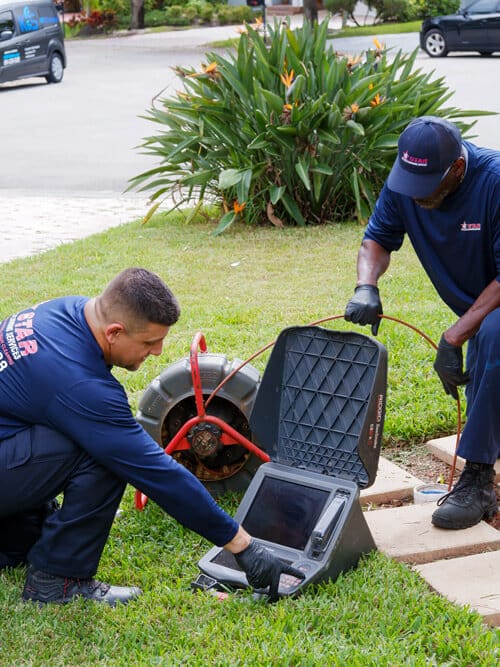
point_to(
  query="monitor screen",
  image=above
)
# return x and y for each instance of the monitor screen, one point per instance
(285, 512)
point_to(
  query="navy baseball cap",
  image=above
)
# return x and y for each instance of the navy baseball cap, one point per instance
(426, 149)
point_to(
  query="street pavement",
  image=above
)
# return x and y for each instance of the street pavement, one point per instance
(48, 198)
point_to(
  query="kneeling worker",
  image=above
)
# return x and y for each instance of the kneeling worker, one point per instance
(66, 427)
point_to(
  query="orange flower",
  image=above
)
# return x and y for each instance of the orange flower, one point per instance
(211, 70)
(350, 111)
(377, 100)
(287, 78)
(378, 44)
(352, 62)
(237, 207)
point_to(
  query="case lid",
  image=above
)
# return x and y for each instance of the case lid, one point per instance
(321, 403)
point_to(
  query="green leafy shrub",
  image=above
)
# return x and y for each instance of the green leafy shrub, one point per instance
(199, 10)
(175, 10)
(175, 15)
(151, 5)
(190, 12)
(409, 10)
(155, 17)
(393, 10)
(228, 14)
(206, 12)
(289, 132)
(118, 6)
(424, 8)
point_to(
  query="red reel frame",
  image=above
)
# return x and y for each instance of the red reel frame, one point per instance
(180, 441)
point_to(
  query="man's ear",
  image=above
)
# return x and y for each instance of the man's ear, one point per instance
(113, 331)
(458, 167)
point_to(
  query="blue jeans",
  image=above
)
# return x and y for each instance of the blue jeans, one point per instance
(36, 465)
(480, 441)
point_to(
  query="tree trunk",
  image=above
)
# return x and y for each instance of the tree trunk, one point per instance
(311, 10)
(136, 14)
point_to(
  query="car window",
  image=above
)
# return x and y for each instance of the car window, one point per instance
(7, 21)
(48, 16)
(28, 18)
(484, 7)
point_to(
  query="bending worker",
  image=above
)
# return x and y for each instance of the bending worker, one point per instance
(445, 194)
(66, 427)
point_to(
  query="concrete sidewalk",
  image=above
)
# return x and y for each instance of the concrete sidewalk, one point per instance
(34, 224)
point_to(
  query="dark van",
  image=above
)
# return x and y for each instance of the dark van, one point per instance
(31, 41)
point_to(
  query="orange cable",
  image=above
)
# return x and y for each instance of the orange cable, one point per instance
(336, 317)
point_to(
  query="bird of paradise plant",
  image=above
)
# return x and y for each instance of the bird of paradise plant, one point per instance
(320, 153)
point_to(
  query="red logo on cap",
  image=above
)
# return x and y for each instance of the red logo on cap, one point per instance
(415, 161)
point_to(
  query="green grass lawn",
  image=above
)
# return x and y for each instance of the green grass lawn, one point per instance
(241, 289)
(379, 29)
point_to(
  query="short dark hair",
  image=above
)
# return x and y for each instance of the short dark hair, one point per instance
(137, 297)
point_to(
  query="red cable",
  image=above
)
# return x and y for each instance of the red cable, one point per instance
(336, 317)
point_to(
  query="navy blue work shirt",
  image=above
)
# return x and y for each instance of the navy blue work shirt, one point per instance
(458, 244)
(53, 373)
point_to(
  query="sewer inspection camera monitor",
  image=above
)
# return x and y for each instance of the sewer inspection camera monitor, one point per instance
(310, 521)
(319, 414)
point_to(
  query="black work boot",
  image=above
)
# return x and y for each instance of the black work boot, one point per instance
(472, 498)
(42, 588)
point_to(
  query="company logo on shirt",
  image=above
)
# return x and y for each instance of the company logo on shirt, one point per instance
(17, 338)
(470, 226)
(415, 161)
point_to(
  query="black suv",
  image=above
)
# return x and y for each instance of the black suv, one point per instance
(31, 41)
(475, 27)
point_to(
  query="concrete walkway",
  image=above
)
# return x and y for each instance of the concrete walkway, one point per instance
(461, 565)
(34, 224)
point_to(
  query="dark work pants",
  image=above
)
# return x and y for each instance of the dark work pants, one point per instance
(480, 441)
(36, 465)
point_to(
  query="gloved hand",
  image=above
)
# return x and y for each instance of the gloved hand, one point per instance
(263, 569)
(448, 365)
(365, 307)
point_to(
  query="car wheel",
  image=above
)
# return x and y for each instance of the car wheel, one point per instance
(56, 69)
(435, 44)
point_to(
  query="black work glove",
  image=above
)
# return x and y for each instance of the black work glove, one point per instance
(449, 365)
(263, 569)
(365, 307)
